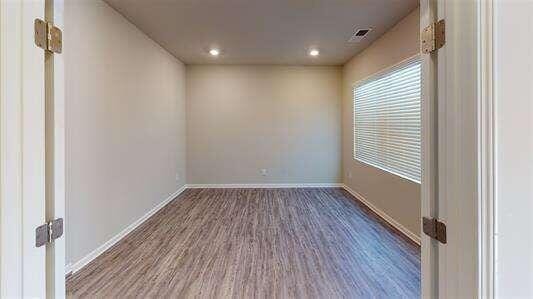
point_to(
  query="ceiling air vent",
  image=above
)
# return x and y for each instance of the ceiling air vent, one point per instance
(359, 34)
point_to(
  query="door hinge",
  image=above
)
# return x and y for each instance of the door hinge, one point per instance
(48, 232)
(435, 229)
(48, 36)
(433, 37)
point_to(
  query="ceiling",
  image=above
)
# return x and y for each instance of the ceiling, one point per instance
(279, 32)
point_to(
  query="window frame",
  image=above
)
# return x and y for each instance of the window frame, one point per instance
(376, 76)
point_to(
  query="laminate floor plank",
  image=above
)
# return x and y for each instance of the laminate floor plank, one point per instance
(256, 243)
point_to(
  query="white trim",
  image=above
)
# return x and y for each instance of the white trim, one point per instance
(429, 160)
(55, 154)
(263, 186)
(384, 215)
(73, 268)
(458, 190)
(487, 146)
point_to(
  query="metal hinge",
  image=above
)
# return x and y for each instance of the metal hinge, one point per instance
(48, 232)
(433, 37)
(47, 36)
(435, 229)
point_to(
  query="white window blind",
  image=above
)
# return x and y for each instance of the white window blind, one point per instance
(387, 120)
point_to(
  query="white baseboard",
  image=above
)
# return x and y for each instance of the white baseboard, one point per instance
(384, 215)
(74, 267)
(263, 186)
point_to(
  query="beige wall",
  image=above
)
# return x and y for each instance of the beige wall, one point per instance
(398, 197)
(125, 125)
(241, 119)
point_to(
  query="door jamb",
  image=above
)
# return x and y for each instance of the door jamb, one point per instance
(485, 147)
(487, 151)
(429, 138)
(55, 154)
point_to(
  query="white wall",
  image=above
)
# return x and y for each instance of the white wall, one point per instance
(514, 148)
(125, 120)
(241, 119)
(397, 197)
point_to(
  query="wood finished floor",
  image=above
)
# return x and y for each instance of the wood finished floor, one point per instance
(257, 243)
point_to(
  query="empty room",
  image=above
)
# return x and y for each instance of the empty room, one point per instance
(231, 124)
(260, 149)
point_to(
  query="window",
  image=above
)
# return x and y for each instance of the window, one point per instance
(387, 120)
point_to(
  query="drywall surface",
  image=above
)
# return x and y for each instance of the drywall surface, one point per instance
(513, 71)
(125, 122)
(397, 197)
(281, 119)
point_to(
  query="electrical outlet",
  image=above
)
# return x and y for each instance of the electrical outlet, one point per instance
(349, 174)
(264, 172)
(177, 177)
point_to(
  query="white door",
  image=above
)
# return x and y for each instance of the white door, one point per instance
(451, 138)
(26, 152)
(23, 151)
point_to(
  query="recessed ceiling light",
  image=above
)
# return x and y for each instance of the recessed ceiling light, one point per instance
(314, 52)
(214, 52)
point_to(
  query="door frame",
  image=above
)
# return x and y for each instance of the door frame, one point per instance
(55, 154)
(429, 141)
(13, 150)
(487, 148)
(458, 151)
